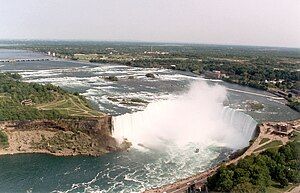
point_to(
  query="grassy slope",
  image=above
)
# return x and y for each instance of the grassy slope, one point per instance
(271, 144)
(70, 105)
(48, 101)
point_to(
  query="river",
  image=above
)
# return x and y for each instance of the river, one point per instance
(137, 169)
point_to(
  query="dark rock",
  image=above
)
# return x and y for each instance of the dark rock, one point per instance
(150, 75)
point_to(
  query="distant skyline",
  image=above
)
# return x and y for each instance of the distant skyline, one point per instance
(230, 22)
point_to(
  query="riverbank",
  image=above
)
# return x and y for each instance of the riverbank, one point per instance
(90, 137)
(290, 101)
(270, 134)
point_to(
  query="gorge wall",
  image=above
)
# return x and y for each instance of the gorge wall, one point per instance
(85, 136)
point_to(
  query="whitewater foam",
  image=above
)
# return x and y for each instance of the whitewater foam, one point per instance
(197, 117)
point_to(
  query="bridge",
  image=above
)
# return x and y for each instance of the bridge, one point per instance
(26, 60)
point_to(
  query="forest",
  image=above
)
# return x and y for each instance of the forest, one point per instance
(274, 167)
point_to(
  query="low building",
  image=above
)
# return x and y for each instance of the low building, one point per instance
(283, 129)
(216, 74)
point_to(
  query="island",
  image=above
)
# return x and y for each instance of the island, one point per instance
(37, 118)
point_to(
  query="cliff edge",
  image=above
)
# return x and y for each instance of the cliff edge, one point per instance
(65, 137)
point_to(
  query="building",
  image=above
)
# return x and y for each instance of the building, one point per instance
(283, 129)
(216, 74)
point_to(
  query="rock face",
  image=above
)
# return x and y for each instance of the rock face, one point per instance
(150, 75)
(111, 78)
(88, 136)
(101, 124)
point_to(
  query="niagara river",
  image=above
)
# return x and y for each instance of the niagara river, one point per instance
(179, 113)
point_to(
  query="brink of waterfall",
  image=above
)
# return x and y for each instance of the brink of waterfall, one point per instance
(197, 117)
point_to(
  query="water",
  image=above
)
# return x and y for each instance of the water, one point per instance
(130, 171)
(196, 119)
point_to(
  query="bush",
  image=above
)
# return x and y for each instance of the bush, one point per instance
(3, 140)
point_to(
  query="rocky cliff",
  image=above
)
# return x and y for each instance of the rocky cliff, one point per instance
(87, 136)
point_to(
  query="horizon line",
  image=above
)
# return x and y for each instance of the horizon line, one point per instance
(149, 42)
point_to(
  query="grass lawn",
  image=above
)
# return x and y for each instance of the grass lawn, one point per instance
(70, 105)
(296, 136)
(264, 140)
(275, 188)
(271, 144)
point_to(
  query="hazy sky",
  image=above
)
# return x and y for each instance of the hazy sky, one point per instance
(247, 22)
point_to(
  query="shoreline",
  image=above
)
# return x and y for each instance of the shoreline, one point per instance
(271, 92)
(263, 130)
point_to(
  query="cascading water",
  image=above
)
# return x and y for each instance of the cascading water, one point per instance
(240, 121)
(197, 117)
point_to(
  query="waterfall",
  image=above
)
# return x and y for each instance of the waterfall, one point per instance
(196, 117)
(240, 121)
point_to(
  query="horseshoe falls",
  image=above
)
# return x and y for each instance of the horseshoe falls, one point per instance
(197, 118)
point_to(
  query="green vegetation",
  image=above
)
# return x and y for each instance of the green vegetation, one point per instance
(294, 104)
(266, 68)
(264, 140)
(271, 144)
(75, 141)
(255, 106)
(129, 101)
(277, 188)
(273, 168)
(296, 136)
(3, 140)
(30, 101)
(70, 105)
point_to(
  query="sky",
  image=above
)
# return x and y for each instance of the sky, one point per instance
(237, 22)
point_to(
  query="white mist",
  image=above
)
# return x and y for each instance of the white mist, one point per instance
(197, 117)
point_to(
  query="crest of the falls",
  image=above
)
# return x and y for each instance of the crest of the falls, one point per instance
(196, 117)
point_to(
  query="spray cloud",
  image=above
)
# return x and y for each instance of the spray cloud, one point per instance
(195, 117)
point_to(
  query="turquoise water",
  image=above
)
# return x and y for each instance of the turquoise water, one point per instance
(126, 171)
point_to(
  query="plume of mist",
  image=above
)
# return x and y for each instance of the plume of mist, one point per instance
(197, 116)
